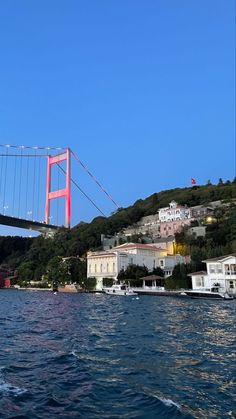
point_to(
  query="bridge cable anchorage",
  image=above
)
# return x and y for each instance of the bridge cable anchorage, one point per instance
(94, 179)
(84, 193)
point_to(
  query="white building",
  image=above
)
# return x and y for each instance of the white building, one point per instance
(167, 263)
(220, 271)
(174, 212)
(108, 264)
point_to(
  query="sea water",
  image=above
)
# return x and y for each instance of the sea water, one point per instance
(99, 356)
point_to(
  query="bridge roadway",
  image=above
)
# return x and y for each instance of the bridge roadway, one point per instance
(44, 228)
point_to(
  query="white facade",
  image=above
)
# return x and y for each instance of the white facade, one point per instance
(108, 264)
(167, 263)
(174, 212)
(220, 271)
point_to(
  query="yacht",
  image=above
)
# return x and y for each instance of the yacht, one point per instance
(119, 289)
(213, 293)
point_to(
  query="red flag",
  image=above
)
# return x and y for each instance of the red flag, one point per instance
(193, 181)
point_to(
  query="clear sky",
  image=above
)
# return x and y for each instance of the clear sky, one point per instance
(142, 90)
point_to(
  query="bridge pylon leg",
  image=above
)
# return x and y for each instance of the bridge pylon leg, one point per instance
(56, 194)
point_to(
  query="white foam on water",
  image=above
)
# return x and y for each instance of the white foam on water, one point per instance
(169, 403)
(7, 388)
(74, 354)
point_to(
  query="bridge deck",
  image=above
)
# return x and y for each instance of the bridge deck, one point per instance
(27, 224)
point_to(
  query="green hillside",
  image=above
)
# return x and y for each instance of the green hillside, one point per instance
(34, 257)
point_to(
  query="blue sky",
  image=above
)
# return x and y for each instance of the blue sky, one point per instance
(143, 91)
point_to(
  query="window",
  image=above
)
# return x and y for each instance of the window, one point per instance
(219, 269)
(231, 284)
(161, 262)
(90, 268)
(212, 269)
(113, 267)
(95, 268)
(227, 269)
(107, 267)
(233, 269)
(200, 281)
(101, 267)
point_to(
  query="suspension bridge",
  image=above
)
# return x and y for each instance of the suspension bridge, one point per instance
(35, 187)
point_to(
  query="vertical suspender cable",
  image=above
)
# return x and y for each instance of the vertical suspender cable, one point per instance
(20, 176)
(1, 169)
(39, 182)
(5, 181)
(34, 185)
(27, 185)
(14, 187)
(58, 183)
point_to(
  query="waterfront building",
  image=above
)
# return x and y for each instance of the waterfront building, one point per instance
(221, 271)
(108, 264)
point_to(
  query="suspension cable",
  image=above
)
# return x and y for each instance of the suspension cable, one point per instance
(94, 179)
(84, 193)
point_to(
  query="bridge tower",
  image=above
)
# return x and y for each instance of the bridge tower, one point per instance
(61, 193)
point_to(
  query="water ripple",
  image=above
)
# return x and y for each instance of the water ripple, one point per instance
(91, 356)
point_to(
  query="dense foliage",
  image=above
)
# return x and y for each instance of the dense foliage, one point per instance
(42, 257)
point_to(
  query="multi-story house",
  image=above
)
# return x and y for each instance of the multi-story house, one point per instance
(108, 264)
(220, 272)
(174, 212)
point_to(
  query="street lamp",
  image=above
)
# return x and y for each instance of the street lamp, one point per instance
(4, 209)
(29, 213)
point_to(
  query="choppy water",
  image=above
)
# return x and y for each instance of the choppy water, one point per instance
(98, 356)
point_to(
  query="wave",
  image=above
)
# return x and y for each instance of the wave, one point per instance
(8, 388)
(170, 403)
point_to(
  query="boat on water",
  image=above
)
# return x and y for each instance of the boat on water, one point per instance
(211, 293)
(119, 289)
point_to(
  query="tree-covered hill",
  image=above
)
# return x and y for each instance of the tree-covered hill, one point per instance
(34, 255)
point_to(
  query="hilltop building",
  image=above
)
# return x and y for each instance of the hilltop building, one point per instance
(174, 212)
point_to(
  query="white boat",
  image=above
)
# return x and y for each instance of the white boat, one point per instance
(119, 289)
(212, 293)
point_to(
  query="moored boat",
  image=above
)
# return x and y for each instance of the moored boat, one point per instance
(119, 289)
(213, 293)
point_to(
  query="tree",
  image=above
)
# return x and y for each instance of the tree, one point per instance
(57, 270)
(133, 272)
(179, 278)
(26, 271)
